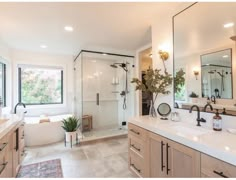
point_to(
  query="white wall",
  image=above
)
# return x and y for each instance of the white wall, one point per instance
(43, 59)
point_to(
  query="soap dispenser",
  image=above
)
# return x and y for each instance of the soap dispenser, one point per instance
(217, 121)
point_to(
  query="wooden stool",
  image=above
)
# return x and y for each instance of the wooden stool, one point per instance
(89, 120)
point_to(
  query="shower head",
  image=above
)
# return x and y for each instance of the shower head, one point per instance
(113, 65)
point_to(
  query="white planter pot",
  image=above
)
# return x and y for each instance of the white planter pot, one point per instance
(193, 100)
(71, 135)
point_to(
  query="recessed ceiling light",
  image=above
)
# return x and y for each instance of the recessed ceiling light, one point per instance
(104, 54)
(227, 25)
(225, 56)
(150, 55)
(43, 46)
(68, 28)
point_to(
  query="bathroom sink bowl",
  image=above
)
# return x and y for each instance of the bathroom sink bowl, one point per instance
(189, 132)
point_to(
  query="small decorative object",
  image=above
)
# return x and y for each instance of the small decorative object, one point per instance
(70, 125)
(179, 80)
(164, 110)
(193, 97)
(155, 83)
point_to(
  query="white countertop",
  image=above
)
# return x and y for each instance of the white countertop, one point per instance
(221, 145)
(10, 121)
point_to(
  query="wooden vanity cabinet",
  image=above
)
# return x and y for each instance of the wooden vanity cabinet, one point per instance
(161, 156)
(171, 159)
(138, 151)
(6, 156)
(212, 167)
(11, 146)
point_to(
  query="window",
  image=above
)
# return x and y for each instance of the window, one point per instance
(40, 85)
(3, 83)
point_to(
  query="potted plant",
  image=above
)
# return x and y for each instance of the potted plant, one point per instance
(193, 96)
(70, 125)
(154, 83)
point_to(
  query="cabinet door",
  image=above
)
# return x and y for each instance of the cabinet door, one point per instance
(182, 161)
(157, 156)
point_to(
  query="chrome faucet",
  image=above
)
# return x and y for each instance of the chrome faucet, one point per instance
(205, 107)
(198, 115)
(19, 104)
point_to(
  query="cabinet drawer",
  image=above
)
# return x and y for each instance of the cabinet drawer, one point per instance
(212, 167)
(4, 170)
(138, 132)
(136, 146)
(136, 164)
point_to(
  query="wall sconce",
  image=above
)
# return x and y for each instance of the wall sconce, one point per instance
(196, 73)
(164, 56)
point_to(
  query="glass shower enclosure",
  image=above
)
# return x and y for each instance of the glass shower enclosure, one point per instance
(104, 96)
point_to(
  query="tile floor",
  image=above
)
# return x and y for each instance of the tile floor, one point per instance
(101, 159)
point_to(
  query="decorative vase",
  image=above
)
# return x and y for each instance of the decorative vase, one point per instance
(71, 136)
(152, 110)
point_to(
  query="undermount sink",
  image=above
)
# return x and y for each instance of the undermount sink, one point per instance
(186, 131)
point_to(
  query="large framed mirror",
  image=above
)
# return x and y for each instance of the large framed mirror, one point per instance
(205, 56)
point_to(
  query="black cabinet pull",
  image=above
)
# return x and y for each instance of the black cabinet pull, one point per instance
(3, 167)
(167, 159)
(220, 174)
(138, 149)
(162, 164)
(135, 168)
(17, 140)
(97, 99)
(3, 146)
(134, 131)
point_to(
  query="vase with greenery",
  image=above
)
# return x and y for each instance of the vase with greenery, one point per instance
(154, 83)
(70, 125)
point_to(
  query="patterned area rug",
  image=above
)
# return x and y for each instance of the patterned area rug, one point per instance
(45, 169)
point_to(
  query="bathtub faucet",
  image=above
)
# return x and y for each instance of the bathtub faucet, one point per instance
(19, 104)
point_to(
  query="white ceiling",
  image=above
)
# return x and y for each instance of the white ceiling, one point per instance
(120, 26)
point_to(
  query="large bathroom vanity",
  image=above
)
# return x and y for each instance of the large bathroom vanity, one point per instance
(11, 146)
(160, 148)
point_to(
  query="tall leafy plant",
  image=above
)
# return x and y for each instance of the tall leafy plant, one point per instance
(70, 124)
(155, 83)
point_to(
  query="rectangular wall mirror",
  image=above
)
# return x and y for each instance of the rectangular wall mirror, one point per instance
(205, 57)
(216, 72)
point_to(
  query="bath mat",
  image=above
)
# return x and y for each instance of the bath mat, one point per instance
(45, 169)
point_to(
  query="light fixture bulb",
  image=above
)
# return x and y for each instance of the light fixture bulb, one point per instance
(43, 46)
(68, 28)
(227, 25)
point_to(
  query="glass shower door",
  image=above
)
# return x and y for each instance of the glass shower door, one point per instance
(99, 96)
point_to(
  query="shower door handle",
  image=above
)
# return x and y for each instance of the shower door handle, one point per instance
(97, 99)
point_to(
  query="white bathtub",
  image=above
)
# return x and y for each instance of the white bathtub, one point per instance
(44, 133)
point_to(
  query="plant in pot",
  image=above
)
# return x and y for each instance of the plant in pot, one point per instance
(70, 125)
(193, 96)
(154, 83)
